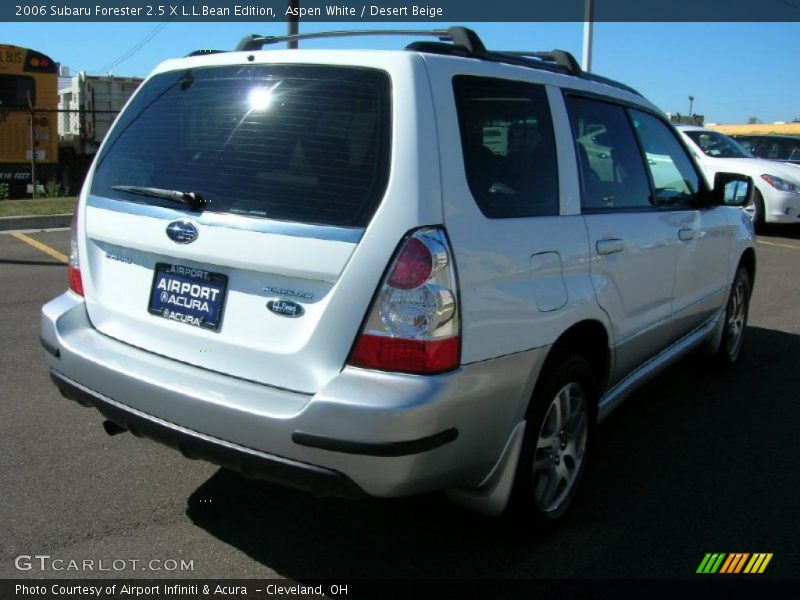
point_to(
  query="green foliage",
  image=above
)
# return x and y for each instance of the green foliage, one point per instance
(53, 189)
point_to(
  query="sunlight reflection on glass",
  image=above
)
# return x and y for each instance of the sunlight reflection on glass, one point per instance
(260, 98)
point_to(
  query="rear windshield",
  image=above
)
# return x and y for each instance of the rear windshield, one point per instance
(16, 90)
(297, 143)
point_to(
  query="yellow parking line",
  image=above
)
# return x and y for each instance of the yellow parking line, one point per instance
(779, 245)
(40, 246)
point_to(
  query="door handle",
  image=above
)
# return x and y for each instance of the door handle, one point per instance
(611, 246)
(686, 235)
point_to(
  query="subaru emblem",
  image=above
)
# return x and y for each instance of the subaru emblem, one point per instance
(182, 232)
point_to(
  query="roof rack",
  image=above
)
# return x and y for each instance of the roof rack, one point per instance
(203, 52)
(463, 42)
(559, 57)
(460, 36)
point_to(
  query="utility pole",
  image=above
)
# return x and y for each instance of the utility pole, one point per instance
(293, 23)
(691, 104)
(588, 34)
(32, 121)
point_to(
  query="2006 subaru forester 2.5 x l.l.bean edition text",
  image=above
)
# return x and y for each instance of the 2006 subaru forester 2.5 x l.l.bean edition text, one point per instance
(390, 272)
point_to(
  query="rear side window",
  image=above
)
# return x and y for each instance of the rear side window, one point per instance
(611, 165)
(508, 146)
(299, 143)
(778, 149)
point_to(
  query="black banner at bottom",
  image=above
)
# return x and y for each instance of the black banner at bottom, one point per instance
(185, 589)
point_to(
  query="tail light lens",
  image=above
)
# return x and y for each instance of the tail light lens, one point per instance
(74, 265)
(413, 325)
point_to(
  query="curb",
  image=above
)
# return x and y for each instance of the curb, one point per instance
(35, 222)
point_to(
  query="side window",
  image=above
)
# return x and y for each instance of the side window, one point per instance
(508, 145)
(761, 148)
(674, 178)
(609, 160)
(793, 153)
(771, 150)
(787, 150)
(747, 143)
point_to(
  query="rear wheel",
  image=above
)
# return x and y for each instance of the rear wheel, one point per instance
(558, 436)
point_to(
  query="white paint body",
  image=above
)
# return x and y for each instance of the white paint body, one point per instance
(522, 283)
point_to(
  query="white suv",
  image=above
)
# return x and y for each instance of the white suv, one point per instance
(392, 272)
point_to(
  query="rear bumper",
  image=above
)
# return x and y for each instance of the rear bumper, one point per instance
(383, 434)
(323, 482)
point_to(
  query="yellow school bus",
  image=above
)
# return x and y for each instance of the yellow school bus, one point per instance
(28, 118)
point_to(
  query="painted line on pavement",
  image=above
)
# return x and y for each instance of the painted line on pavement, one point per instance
(40, 246)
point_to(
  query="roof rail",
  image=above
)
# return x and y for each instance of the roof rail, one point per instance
(559, 57)
(463, 42)
(460, 36)
(203, 52)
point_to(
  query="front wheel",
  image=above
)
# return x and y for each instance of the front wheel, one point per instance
(756, 211)
(735, 318)
(558, 437)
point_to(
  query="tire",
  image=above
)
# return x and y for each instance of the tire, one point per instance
(555, 450)
(756, 211)
(735, 319)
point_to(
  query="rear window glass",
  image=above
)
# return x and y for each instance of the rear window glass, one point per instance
(15, 90)
(298, 143)
(508, 146)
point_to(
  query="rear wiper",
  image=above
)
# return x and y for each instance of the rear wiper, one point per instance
(193, 199)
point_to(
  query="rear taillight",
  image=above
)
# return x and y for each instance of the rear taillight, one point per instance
(74, 265)
(413, 324)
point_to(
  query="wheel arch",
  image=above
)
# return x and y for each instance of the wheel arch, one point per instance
(748, 261)
(590, 339)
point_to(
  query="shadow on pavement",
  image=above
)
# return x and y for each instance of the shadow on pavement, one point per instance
(697, 461)
(37, 263)
(791, 232)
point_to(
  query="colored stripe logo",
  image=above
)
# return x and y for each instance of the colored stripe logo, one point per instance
(736, 562)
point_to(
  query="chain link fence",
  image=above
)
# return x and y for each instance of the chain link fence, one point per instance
(47, 153)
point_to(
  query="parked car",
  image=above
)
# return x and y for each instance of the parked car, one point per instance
(388, 273)
(776, 197)
(785, 148)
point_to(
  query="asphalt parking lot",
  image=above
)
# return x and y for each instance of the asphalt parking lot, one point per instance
(697, 461)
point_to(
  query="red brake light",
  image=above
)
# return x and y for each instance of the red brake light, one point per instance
(413, 323)
(407, 356)
(413, 267)
(74, 265)
(75, 280)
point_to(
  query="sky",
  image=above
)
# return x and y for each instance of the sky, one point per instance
(735, 71)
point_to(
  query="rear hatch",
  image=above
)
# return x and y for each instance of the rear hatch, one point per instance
(223, 210)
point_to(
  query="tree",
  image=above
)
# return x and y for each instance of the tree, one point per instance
(753, 120)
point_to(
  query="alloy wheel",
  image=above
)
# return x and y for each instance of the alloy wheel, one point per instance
(560, 448)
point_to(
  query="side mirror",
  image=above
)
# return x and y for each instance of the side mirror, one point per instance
(731, 189)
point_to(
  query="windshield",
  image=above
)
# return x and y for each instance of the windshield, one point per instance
(717, 145)
(299, 143)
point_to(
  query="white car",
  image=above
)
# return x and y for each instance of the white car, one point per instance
(392, 272)
(776, 198)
